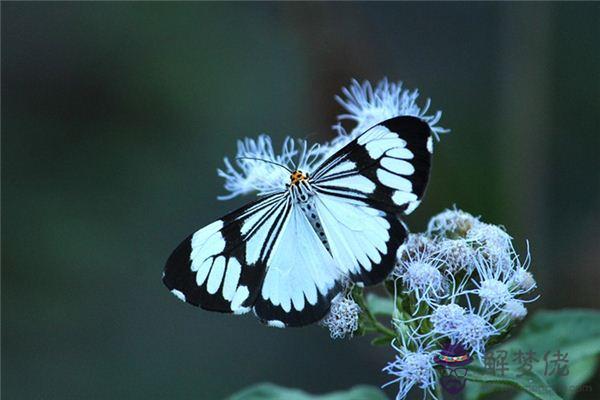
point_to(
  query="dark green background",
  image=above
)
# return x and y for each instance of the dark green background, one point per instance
(116, 116)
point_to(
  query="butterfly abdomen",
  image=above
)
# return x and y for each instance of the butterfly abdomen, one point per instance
(311, 214)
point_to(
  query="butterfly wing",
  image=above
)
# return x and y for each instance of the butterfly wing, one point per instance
(386, 167)
(363, 240)
(302, 277)
(221, 267)
(264, 256)
(361, 189)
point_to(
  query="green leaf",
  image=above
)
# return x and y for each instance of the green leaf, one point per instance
(579, 374)
(572, 332)
(382, 341)
(269, 391)
(380, 305)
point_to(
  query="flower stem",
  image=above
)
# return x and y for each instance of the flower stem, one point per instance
(378, 326)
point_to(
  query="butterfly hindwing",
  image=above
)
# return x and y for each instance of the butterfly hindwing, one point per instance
(302, 277)
(363, 240)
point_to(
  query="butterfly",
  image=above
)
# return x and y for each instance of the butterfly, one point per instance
(286, 255)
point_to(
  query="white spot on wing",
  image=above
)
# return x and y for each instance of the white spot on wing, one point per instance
(204, 234)
(203, 271)
(232, 277)
(241, 310)
(401, 197)
(216, 275)
(255, 244)
(276, 324)
(430, 145)
(400, 152)
(398, 166)
(394, 181)
(411, 206)
(376, 133)
(178, 294)
(241, 294)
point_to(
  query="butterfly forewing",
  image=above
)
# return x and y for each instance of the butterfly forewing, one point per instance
(221, 267)
(387, 167)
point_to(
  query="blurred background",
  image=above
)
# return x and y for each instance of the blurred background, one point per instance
(116, 116)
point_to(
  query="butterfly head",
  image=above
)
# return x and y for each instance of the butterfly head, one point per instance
(298, 176)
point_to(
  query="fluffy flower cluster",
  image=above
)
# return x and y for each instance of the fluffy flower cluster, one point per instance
(413, 366)
(367, 106)
(257, 167)
(460, 282)
(342, 319)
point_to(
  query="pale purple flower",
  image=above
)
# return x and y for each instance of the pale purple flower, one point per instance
(367, 106)
(412, 368)
(342, 319)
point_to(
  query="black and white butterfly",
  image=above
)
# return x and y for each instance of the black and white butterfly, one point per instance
(285, 255)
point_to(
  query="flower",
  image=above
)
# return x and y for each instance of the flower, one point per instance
(417, 244)
(493, 242)
(481, 277)
(458, 255)
(500, 281)
(494, 292)
(514, 309)
(412, 368)
(342, 319)
(465, 326)
(368, 106)
(447, 317)
(451, 223)
(421, 276)
(523, 279)
(473, 333)
(259, 169)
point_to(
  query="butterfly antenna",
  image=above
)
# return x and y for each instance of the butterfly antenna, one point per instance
(267, 161)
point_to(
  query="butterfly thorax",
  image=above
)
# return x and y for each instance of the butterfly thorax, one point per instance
(298, 176)
(300, 187)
